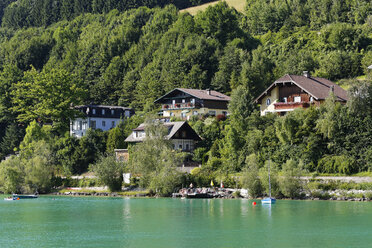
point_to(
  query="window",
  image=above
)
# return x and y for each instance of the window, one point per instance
(285, 99)
(113, 124)
(268, 101)
(224, 113)
(183, 100)
(183, 134)
(311, 99)
(195, 112)
(112, 111)
(174, 146)
(187, 147)
(103, 123)
(212, 113)
(180, 146)
(103, 112)
(174, 102)
(93, 124)
(297, 99)
(171, 114)
(127, 114)
(192, 100)
(80, 125)
(183, 115)
(85, 125)
(94, 111)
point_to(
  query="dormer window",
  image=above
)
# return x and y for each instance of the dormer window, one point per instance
(268, 101)
(112, 111)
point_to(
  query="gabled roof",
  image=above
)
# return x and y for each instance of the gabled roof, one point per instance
(173, 127)
(317, 87)
(103, 106)
(201, 94)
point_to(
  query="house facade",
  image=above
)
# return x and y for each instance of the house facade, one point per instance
(184, 103)
(97, 117)
(298, 91)
(180, 133)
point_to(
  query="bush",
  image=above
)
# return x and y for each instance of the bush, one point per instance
(165, 182)
(250, 177)
(109, 171)
(289, 182)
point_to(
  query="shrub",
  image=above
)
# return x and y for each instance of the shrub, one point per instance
(109, 171)
(250, 177)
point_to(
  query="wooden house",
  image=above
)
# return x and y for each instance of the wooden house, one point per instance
(184, 103)
(298, 91)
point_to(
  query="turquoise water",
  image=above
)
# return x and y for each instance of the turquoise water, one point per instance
(120, 222)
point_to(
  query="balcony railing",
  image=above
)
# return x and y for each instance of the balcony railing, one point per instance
(291, 105)
(188, 105)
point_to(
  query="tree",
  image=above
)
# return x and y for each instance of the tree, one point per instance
(47, 96)
(11, 176)
(11, 140)
(109, 171)
(250, 177)
(116, 139)
(154, 159)
(290, 182)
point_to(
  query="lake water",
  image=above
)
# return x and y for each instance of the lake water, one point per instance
(120, 222)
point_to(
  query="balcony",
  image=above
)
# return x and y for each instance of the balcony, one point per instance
(187, 105)
(291, 105)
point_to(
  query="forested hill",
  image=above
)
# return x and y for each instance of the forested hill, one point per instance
(26, 13)
(132, 57)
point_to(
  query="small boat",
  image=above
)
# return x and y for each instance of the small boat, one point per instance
(25, 196)
(269, 200)
(196, 195)
(10, 199)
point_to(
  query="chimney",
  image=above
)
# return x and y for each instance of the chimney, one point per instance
(306, 74)
(332, 89)
(208, 91)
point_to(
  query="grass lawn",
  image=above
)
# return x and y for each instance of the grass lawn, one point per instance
(237, 4)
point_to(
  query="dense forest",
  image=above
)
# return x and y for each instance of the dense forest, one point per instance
(54, 54)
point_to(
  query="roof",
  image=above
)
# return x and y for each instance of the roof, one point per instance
(201, 94)
(317, 87)
(103, 106)
(173, 127)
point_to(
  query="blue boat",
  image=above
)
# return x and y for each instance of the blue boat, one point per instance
(16, 196)
(269, 200)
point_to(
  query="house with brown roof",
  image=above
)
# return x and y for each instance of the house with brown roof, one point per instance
(180, 133)
(298, 91)
(184, 103)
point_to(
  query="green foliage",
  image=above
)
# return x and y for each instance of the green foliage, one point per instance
(336, 164)
(155, 160)
(47, 96)
(274, 179)
(250, 177)
(109, 171)
(11, 176)
(289, 181)
(11, 140)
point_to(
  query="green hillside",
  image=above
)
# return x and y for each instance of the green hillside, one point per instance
(131, 57)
